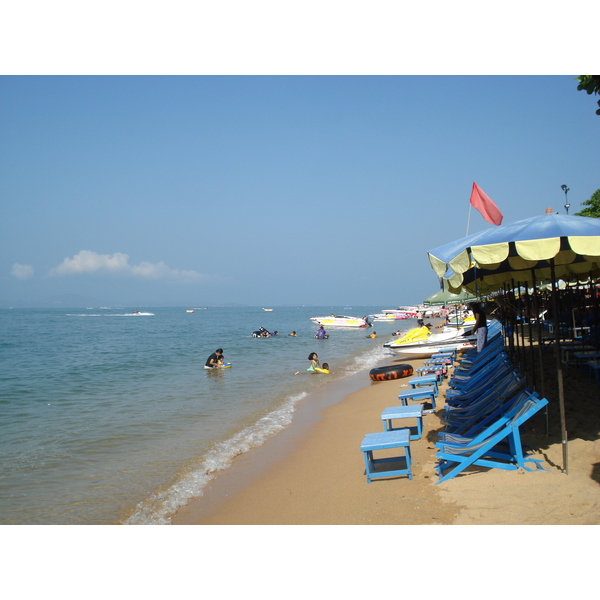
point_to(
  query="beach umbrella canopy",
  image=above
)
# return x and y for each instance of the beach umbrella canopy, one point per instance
(445, 296)
(523, 251)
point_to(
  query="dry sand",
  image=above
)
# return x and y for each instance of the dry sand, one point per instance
(315, 473)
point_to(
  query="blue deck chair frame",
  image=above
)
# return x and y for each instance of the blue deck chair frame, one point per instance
(485, 449)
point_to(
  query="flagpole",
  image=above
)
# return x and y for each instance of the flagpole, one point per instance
(468, 220)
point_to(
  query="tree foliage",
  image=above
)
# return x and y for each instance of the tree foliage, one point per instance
(592, 206)
(591, 84)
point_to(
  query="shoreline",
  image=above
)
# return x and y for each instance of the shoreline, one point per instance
(313, 472)
(307, 444)
(248, 467)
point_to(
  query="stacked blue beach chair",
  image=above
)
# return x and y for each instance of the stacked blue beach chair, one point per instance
(485, 404)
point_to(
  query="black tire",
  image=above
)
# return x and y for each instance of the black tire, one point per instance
(390, 372)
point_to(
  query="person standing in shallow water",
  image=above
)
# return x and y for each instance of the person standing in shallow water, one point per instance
(480, 329)
(322, 334)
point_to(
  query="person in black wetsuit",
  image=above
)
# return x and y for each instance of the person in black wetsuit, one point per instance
(215, 359)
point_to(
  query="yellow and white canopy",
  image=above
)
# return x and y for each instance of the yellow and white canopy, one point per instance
(522, 252)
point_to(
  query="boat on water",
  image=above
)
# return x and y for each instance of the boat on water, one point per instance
(341, 321)
(382, 317)
(419, 342)
(268, 309)
(403, 312)
(424, 351)
(460, 322)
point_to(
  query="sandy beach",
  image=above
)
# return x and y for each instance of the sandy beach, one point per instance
(314, 472)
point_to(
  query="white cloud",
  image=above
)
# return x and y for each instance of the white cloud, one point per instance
(22, 271)
(87, 261)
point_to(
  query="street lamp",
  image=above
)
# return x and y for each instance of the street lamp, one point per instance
(565, 189)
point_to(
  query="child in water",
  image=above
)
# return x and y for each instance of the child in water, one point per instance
(314, 363)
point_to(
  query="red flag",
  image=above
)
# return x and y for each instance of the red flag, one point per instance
(482, 202)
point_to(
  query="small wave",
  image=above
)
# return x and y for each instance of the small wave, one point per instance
(367, 359)
(160, 508)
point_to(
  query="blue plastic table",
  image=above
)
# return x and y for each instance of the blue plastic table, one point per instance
(386, 440)
(582, 357)
(427, 370)
(404, 412)
(594, 366)
(420, 393)
(424, 380)
(450, 353)
(441, 360)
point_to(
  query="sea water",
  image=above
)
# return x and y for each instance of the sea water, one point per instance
(108, 416)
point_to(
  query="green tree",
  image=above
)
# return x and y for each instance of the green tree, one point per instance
(591, 84)
(592, 206)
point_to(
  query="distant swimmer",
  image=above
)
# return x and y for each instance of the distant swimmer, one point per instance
(372, 335)
(215, 359)
(293, 334)
(262, 332)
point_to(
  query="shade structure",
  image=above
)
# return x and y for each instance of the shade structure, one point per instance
(531, 250)
(537, 250)
(445, 296)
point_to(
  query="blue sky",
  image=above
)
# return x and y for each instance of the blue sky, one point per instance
(271, 190)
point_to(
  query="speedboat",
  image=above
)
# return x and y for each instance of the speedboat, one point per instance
(382, 317)
(419, 342)
(454, 324)
(341, 321)
(424, 351)
(403, 312)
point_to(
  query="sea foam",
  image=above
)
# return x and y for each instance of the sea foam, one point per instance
(160, 507)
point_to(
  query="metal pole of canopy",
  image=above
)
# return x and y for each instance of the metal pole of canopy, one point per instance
(530, 330)
(537, 307)
(559, 372)
(522, 325)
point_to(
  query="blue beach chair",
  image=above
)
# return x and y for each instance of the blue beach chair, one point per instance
(460, 377)
(467, 418)
(478, 385)
(497, 446)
